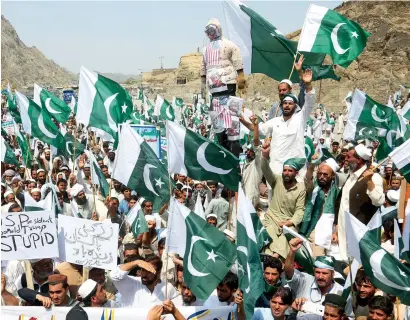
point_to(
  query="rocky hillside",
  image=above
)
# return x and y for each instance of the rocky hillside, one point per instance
(22, 65)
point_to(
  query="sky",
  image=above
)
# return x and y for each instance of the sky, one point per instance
(124, 37)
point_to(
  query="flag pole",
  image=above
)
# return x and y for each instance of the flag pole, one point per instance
(351, 288)
(75, 139)
(293, 65)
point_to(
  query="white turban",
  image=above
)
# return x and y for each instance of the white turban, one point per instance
(76, 189)
(363, 152)
(332, 163)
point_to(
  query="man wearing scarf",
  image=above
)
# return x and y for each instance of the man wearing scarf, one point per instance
(222, 71)
(307, 287)
(319, 214)
(288, 201)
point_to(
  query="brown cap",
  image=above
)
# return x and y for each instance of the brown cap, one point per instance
(57, 278)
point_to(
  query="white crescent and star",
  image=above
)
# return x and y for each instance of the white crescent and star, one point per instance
(361, 131)
(375, 263)
(49, 108)
(335, 43)
(107, 104)
(375, 116)
(309, 150)
(191, 268)
(389, 138)
(67, 148)
(43, 128)
(147, 181)
(124, 108)
(168, 112)
(244, 250)
(200, 155)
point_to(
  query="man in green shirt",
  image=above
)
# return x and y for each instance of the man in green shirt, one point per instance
(288, 201)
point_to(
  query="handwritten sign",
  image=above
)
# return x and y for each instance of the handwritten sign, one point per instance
(88, 243)
(28, 235)
(151, 135)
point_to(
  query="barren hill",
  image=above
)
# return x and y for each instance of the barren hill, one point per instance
(22, 65)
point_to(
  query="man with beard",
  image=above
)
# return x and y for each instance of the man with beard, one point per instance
(252, 173)
(284, 88)
(288, 131)
(41, 177)
(84, 204)
(320, 206)
(224, 294)
(365, 292)
(312, 288)
(188, 298)
(144, 291)
(288, 201)
(93, 294)
(361, 195)
(42, 269)
(272, 269)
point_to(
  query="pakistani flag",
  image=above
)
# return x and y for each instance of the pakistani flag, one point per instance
(139, 224)
(73, 105)
(262, 235)
(12, 105)
(137, 166)
(199, 209)
(264, 49)
(204, 109)
(68, 149)
(304, 255)
(399, 248)
(326, 31)
(208, 254)
(7, 154)
(405, 112)
(38, 123)
(324, 154)
(102, 103)
(56, 108)
(137, 118)
(97, 177)
(250, 272)
(369, 118)
(177, 102)
(309, 149)
(401, 158)
(329, 120)
(192, 155)
(406, 232)
(385, 271)
(141, 95)
(24, 146)
(164, 109)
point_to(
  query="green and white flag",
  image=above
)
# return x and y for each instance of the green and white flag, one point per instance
(55, 107)
(24, 146)
(264, 49)
(368, 118)
(204, 109)
(399, 249)
(7, 154)
(12, 105)
(405, 111)
(68, 149)
(406, 232)
(137, 166)
(309, 148)
(401, 158)
(73, 105)
(38, 123)
(304, 255)
(262, 235)
(328, 119)
(250, 272)
(141, 95)
(97, 177)
(192, 155)
(102, 103)
(164, 109)
(199, 209)
(139, 224)
(177, 102)
(326, 31)
(385, 271)
(137, 118)
(208, 254)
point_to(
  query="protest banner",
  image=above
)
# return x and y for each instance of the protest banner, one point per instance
(151, 135)
(28, 235)
(59, 313)
(88, 243)
(8, 126)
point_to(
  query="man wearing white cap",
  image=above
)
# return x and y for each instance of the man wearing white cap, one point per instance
(362, 194)
(93, 294)
(10, 199)
(288, 131)
(389, 209)
(320, 208)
